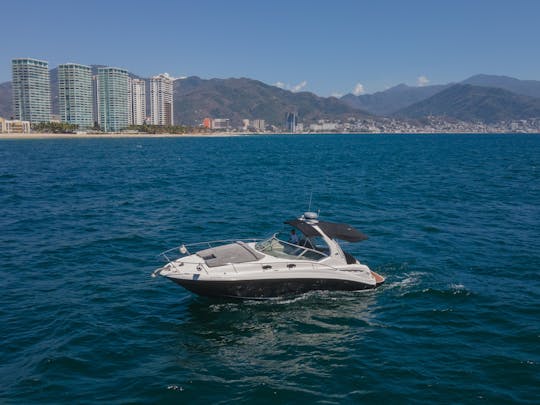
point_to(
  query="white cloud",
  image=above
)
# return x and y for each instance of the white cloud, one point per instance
(299, 86)
(285, 86)
(336, 95)
(174, 77)
(422, 81)
(359, 89)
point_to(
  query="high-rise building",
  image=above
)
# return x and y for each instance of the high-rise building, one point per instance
(137, 101)
(31, 90)
(95, 97)
(259, 124)
(113, 103)
(292, 118)
(161, 100)
(75, 95)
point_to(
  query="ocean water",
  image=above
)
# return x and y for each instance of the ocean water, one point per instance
(453, 224)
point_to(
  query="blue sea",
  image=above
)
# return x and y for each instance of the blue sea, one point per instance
(453, 224)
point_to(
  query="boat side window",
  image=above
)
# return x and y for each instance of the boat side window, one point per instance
(319, 244)
(268, 245)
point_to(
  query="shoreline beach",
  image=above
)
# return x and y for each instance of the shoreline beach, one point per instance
(113, 135)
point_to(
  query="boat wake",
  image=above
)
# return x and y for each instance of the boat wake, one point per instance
(406, 282)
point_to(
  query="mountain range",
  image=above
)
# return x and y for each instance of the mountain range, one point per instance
(401, 96)
(395, 98)
(485, 98)
(236, 99)
(466, 102)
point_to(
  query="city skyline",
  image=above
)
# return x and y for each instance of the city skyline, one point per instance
(349, 47)
(110, 99)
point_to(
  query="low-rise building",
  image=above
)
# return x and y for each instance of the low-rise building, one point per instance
(207, 123)
(14, 126)
(220, 123)
(324, 126)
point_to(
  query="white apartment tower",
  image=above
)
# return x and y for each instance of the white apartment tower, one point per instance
(113, 102)
(161, 99)
(137, 101)
(75, 95)
(31, 90)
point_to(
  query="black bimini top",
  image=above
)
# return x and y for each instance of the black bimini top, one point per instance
(333, 230)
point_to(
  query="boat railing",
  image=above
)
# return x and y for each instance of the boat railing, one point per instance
(171, 255)
(177, 267)
(186, 249)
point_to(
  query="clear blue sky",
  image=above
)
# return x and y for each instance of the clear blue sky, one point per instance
(332, 46)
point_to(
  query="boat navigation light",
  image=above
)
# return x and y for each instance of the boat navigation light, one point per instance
(183, 249)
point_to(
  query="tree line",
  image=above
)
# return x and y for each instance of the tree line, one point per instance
(65, 128)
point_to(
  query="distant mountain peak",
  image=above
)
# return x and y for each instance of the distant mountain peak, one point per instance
(484, 76)
(467, 102)
(393, 99)
(529, 88)
(399, 87)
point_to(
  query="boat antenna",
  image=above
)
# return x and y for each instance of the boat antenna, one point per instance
(310, 197)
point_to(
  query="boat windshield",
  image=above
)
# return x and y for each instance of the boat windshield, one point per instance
(305, 249)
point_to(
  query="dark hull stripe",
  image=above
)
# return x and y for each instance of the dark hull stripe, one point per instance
(257, 289)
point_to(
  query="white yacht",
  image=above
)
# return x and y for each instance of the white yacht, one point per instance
(310, 259)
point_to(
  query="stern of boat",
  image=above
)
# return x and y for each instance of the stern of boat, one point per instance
(378, 278)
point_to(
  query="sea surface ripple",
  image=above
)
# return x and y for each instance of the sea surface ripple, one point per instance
(453, 223)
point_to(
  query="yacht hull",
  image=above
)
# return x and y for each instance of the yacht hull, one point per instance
(269, 288)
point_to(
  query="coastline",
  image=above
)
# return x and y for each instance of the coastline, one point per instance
(111, 135)
(114, 135)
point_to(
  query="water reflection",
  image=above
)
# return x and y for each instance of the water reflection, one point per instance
(273, 338)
